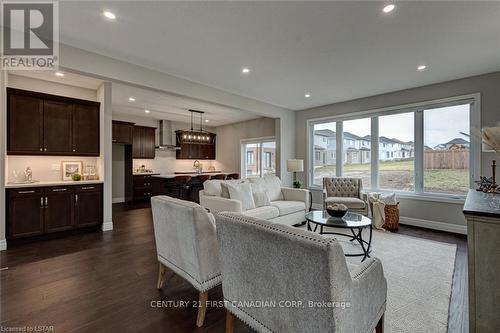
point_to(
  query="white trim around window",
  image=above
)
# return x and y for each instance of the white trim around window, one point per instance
(474, 100)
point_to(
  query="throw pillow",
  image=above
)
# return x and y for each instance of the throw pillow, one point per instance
(243, 193)
(261, 199)
(224, 191)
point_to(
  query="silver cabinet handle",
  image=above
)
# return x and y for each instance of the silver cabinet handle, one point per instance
(46, 202)
(45, 149)
(41, 202)
(76, 199)
(26, 192)
(59, 189)
(41, 149)
(88, 187)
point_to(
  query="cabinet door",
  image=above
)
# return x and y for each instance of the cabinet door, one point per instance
(25, 213)
(86, 130)
(137, 142)
(148, 142)
(122, 133)
(58, 212)
(88, 205)
(25, 125)
(57, 123)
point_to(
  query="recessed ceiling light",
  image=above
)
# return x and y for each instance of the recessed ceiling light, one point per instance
(109, 15)
(389, 8)
(245, 70)
(59, 74)
(147, 111)
(421, 68)
(206, 120)
(131, 99)
(307, 95)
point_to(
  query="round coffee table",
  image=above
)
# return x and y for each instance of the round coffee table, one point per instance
(352, 221)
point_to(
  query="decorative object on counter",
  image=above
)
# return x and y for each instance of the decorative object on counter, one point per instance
(211, 168)
(69, 168)
(484, 184)
(294, 165)
(197, 166)
(89, 173)
(76, 177)
(28, 175)
(336, 210)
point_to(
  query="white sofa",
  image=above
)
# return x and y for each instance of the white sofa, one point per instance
(286, 205)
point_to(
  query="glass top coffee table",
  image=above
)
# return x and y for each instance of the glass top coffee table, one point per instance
(352, 221)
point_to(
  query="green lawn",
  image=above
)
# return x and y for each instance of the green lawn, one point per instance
(399, 174)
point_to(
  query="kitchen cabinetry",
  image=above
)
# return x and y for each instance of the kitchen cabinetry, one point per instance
(42, 210)
(42, 124)
(196, 151)
(143, 187)
(143, 145)
(122, 132)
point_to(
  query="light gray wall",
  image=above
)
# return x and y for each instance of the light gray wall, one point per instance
(487, 85)
(229, 140)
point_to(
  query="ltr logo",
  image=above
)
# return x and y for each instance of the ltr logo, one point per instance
(30, 34)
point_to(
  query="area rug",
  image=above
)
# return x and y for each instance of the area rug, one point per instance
(419, 276)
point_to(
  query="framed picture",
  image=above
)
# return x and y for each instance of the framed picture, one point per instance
(70, 168)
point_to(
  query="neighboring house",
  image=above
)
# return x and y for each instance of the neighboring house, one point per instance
(457, 142)
(254, 160)
(357, 150)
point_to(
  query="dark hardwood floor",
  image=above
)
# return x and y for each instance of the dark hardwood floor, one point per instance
(106, 282)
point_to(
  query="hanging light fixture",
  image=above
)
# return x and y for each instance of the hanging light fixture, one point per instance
(196, 136)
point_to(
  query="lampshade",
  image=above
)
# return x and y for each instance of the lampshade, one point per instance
(295, 165)
(491, 139)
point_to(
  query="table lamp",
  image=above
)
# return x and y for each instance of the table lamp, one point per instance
(294, 165)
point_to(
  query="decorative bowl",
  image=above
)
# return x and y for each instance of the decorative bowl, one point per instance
(336, 212)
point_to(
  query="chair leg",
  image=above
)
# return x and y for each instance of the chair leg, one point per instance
(380, 325)
(202, 309)
(229, 322)
(161, 276)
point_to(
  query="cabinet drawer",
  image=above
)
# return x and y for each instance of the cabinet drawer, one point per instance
(58, 189)
(25, 192)
(141, 182)
(88, 188)
(143, 193)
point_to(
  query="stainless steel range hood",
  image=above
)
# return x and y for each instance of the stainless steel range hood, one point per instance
(166, 136)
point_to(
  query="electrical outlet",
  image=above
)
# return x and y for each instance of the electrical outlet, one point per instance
(56, 167)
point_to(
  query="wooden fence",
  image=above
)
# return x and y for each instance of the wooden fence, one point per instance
(446, 159)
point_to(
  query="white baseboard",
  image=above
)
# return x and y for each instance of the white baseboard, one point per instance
(118, 200)
(435, 225)
(455, 228)
(3, 244)
(107, 226)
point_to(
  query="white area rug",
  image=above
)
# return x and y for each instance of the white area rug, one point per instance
(419, 276)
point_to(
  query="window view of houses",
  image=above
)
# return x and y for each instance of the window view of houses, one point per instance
(445, 155)
(260, 158)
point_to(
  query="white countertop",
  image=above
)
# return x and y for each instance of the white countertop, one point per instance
(144, 173)
(53, 183)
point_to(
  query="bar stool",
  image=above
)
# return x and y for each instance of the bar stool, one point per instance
(195, 186)
(220, 176)
(182, 186)
(233, 176)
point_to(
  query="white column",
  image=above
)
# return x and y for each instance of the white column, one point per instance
(106, 158)
(3, 151)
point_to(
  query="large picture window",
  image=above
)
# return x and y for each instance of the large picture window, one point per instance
(258, 157)
(424, 149)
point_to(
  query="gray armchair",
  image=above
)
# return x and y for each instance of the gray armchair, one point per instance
(345, 191)
(277, 263)
(186, 243)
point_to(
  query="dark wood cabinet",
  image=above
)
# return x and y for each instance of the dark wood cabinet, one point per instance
(88, 205)
(58, 209)
(86, 131)
(25, 212)
(143, 143)
(57, 125)
(195, 150)
(42, 124)
(25, 124)
(143, 187)
(122, 132)
(42, 210)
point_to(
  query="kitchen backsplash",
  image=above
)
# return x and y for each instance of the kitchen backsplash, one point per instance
(165, 162)
(45, 168)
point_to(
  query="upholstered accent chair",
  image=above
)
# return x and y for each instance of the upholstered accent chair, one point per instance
(186, 243)
(275, 262)
(345, 191)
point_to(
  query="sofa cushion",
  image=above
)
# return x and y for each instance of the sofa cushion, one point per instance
(213, 186)
(271, 184)
(261, 198)
(243, 193)
(288, 207)
(264, 212)
(349, 202)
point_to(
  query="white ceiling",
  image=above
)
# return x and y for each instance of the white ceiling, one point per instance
(334, 50)
(171, 107)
